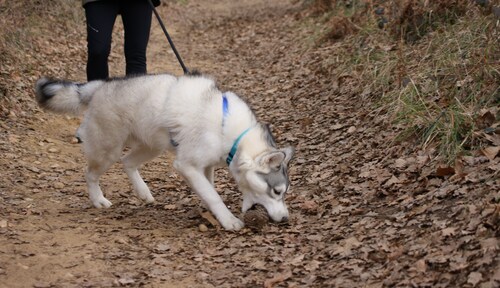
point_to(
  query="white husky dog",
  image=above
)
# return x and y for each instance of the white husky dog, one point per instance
(187, 115)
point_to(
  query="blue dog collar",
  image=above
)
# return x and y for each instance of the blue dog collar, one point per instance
(225, 113)
(235, 146)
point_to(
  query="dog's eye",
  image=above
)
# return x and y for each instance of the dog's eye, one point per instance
(276, 192)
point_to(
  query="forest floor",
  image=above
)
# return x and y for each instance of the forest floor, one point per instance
(366, 211)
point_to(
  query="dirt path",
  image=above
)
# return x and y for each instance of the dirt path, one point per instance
(362, 213)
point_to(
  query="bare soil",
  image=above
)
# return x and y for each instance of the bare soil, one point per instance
(366, 211)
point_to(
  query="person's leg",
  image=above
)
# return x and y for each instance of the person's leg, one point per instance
(136, 16)
(101, 16)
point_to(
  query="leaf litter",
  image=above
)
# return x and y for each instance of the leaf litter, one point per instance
(363, 212)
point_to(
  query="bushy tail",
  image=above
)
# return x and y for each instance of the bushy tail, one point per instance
(62, 96)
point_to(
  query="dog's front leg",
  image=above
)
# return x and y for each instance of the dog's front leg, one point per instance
(201, 185)
(209, 173)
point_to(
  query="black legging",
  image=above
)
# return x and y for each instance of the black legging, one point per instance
(101, 16)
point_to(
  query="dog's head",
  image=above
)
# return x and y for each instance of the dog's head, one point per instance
(263, 179)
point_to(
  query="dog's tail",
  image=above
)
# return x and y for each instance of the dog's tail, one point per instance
(62, 96)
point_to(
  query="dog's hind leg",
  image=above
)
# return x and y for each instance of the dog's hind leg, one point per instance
(131, 163)
(95, 169)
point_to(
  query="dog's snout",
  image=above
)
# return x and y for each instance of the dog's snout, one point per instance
(284, 219)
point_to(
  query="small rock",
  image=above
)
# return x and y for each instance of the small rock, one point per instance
(121, 241)
(203, 228)
(351, 129)
(58, 185)
(34, 169)
(170, 207)
(126, 281)
(53, 150)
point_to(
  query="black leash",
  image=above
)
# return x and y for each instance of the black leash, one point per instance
(186, 71)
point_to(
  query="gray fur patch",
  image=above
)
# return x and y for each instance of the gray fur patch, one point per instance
(276, 178)
(268, 136)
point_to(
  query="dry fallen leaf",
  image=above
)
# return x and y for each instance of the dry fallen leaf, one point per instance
(309, 206)
(450, 231)
(421, 266)
(392, 181)
(442, 171)
(281, 277)
(400, 163)
(474, 278)
(354, 233)
(491, 152)
(210, 218)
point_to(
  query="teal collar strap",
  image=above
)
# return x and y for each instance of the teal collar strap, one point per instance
(225, 112)
(235, 146)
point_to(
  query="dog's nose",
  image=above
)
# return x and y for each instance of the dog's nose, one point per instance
(284, 219)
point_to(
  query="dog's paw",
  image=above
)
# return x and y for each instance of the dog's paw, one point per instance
(232, 223)
(146, 197)
(149, 200)
(101, 203)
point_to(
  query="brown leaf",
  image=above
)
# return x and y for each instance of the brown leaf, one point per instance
(474, 278)
(337, 127)
(310, 206)
(400, 163)
(421, 266)
(396, 253)
(312, 266)
(260, 265)
(444, 171)
(494, 138)
(486, 119)
(392, 181)
(491, 152)
(297, 260)
(450, 231)
(490, 244)
(459, 166)
(210, 218)
(269, 283)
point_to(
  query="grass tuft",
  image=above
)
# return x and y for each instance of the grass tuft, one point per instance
(433, 65)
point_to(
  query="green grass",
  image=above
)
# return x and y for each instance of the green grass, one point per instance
(435, 87)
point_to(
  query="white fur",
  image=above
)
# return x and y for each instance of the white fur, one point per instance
(146, 113)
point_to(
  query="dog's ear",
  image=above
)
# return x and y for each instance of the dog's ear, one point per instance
(273, 159)
(289, 152)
